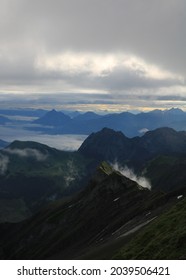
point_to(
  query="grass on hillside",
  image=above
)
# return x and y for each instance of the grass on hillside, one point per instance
(164, 238)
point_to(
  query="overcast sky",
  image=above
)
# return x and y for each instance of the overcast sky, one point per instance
(93, 54)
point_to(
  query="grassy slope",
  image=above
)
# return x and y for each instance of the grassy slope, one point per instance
(164, 238)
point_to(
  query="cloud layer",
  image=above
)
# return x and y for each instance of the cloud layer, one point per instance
(4, 160)
(124, 49)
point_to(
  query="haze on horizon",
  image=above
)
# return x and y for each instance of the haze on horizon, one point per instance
(93, 55)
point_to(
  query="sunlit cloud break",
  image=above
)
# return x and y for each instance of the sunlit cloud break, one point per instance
(97, 64)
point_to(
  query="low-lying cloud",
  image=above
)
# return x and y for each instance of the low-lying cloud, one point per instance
(67, 142)
(4, 160)
(32, 153)
(72, 173)
(129, 173)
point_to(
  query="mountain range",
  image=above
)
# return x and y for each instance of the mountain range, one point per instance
(84, 205)
(67, 122)
(130, 124)
(115, 146)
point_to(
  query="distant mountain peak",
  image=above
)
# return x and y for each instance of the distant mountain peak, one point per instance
(175, 111)
(106, 144)
(87, 116)
(54, 112)
(53, 118)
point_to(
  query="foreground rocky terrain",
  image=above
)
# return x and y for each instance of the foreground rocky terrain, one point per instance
(64, 205)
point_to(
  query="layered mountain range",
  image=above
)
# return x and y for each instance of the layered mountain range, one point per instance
(64, 205)
(130, 124)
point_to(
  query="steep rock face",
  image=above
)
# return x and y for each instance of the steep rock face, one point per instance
(106, 144)
(68, 228)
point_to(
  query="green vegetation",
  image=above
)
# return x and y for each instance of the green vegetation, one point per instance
(38, 174)
(164, 238)
(106, 168)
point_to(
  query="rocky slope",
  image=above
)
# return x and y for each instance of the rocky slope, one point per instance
(110, 206)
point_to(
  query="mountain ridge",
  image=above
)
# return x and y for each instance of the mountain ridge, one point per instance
(130, 124)
(109, 201)
(113, 145)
